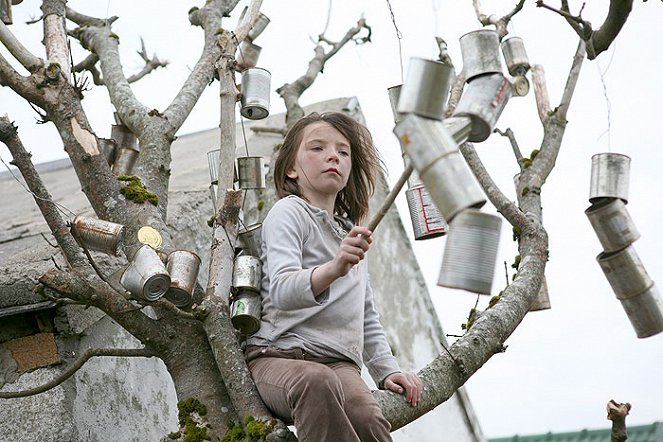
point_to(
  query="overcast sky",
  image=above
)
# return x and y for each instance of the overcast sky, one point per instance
(562, 365)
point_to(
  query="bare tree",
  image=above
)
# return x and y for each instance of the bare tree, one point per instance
(205, 361)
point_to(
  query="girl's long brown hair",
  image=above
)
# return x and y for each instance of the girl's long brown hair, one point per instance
(352, 201)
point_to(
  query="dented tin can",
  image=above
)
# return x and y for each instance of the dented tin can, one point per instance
(146, 276)
(470, 252)
(480, 52)
(426, 88)
(645, 312)
(247, 273)
(183, 267)
(427, 221)
(610, 176)
(625, 272)
(249, 240)
(483, 101)
(255, 93)
(245, 312)
(100, 235)
(517, 62)
(612, 223)
(251, 171)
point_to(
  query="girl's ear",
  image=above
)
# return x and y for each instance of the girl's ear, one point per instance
(292, 173)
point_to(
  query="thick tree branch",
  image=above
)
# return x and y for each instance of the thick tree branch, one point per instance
(540, 92)
(76, 365)
(20, 52)
(55, 35)
(571, 82)
(85, 20)
(597, 40)
(290, 92)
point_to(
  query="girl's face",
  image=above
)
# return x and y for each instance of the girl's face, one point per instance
(323, 163)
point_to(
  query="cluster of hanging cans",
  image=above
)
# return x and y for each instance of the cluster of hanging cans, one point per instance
(617, 234)
(443, 195)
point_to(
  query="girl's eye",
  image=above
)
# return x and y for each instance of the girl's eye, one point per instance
(344, 153)
(316, 148)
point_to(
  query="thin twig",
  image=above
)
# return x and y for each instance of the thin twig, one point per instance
(514, 144)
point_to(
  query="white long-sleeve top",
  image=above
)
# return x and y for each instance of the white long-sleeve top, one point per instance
(340, 322)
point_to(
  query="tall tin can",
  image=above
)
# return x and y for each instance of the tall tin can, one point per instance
(470, 252)
(146, 276)
(247, 55)
(127, 149)
(100, 235)
(426, 88)
(427, 221)
(517, 62)
(245, 312)
(483, 101)
(183, 267)
(610, 176)
(625, 272)
(247, 273)
(612, 223)
(255, 93)
(394, 93)
(258, 26)
(251, 171)
(480, 51)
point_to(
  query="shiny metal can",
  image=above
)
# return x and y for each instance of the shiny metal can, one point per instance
(247, 55)
(625, 272)
(612, 223)
(258, 26)
(251, 171)
(183, 267)
(470, 252)
(146, 276)
(517, 62)
(394, 93)
(247, 273)
(249, 240)
(610, 176)
(645, 311)
(255, 93)
(426, 88)
(100, 235)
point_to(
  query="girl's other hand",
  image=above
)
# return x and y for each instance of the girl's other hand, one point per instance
(408, 384)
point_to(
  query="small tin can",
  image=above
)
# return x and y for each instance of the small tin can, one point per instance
(610, 176)
(483, 101)
(183, 267)
(426, 88)
(613, 224)
(470, 252)
(515, 56)
(625, 272)
(645, 311)
(245, 312)
(100, 235)
(249, 240)
(427, 221)
(255, 93)
(146, 276)
(124, 161)
(251, 171)
(247, 273)
(247, 55)
(258, 26)
(480, 51)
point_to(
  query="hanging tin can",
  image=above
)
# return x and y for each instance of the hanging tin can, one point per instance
(483, 101)
(459, 128)
(427, 221)
(146, 276)
(645, 311)
(97, 234)
(245, 312)
(610, 176)
(613, 224)
(394, 93)
(249, 240)
(480, 51)
(625, 272)
(127, 149)
(251, 171)
(426, 88)
(108, 149)
(470, 252)
(515, 56)
(255, 93)
(247, 55)
(542, 301)
(247, 273)
(183, 267)
(258, 26)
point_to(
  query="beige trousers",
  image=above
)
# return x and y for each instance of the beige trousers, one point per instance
(325, 398)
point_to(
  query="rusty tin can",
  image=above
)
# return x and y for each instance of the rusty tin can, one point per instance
(100, 235)
(183, 267)
(255, 93)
